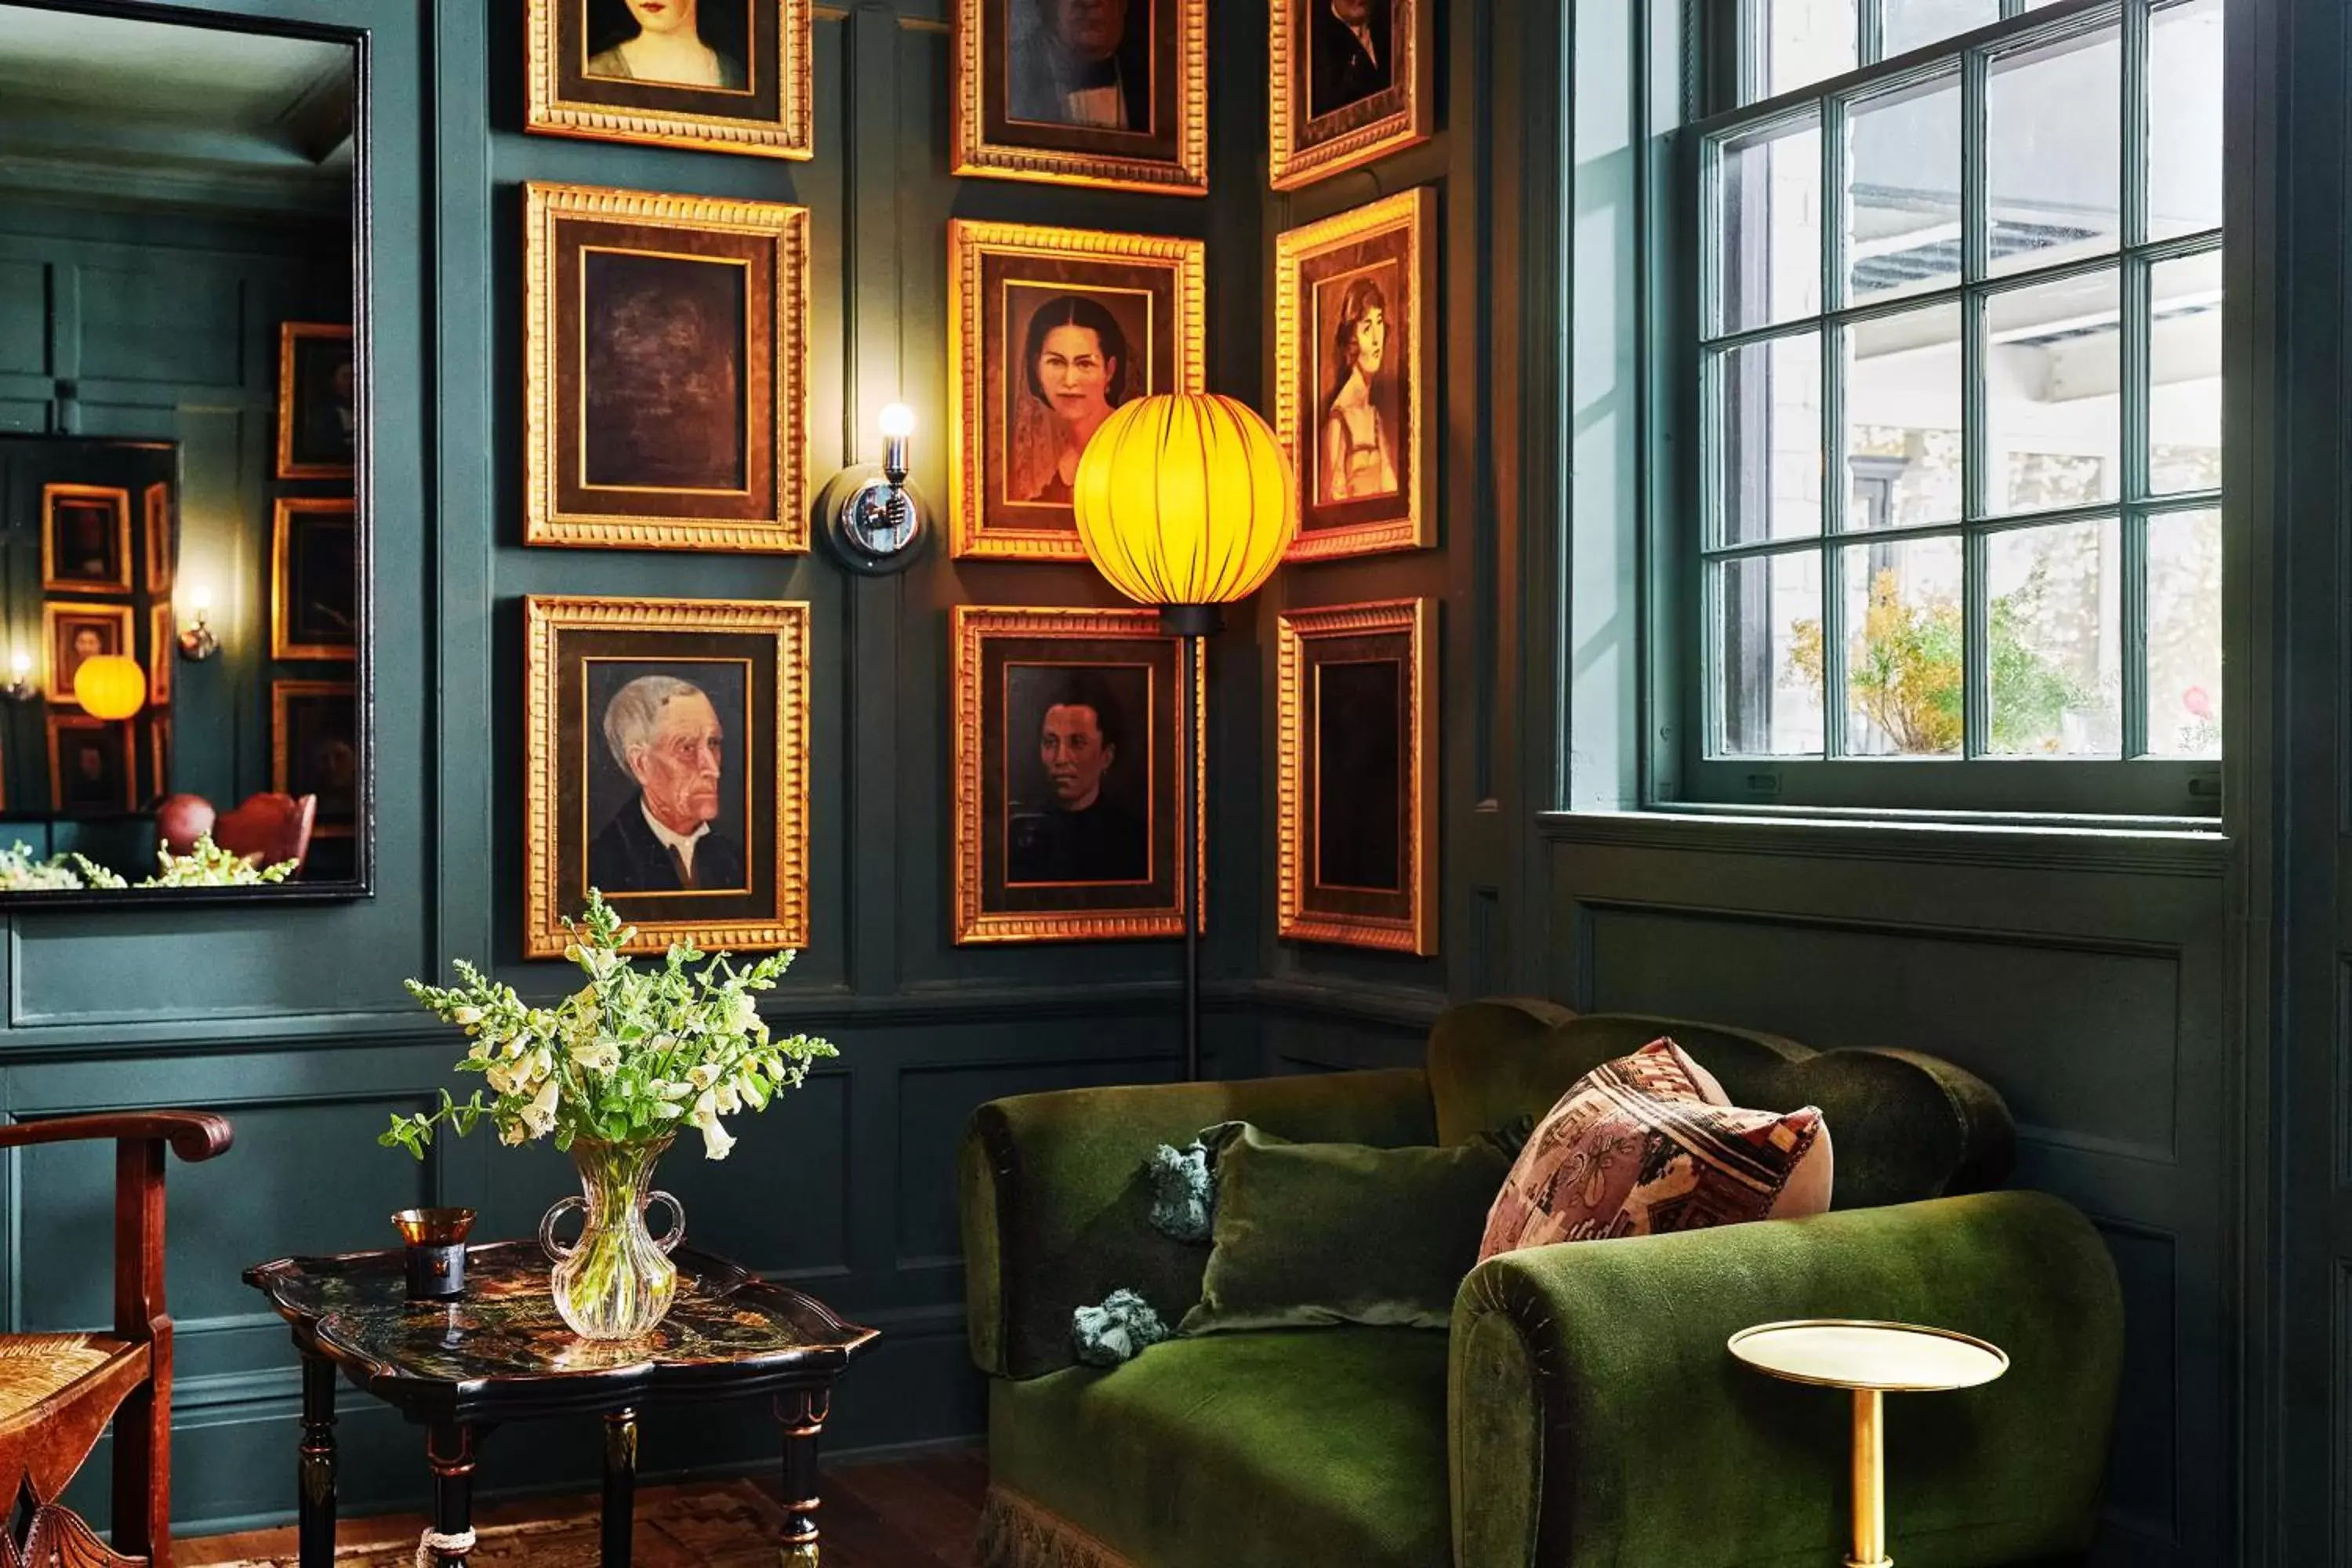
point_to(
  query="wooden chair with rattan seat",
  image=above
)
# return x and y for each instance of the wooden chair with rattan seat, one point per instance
(59, 1392)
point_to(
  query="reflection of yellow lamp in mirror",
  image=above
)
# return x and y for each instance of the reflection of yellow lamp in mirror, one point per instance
(110, 685)
(198, 642)
(21, 686)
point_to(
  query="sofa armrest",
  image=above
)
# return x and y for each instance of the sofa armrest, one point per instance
(1055, 1205)
(1595, 1417)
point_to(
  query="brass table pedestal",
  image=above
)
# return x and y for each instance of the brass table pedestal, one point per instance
(1872, 1359)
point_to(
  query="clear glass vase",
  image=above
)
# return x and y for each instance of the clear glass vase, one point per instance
(617, 1281)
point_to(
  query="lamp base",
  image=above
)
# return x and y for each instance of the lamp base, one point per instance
(1192, 620)
(874, 527)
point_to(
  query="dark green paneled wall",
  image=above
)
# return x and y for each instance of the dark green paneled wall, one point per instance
(293, 1021)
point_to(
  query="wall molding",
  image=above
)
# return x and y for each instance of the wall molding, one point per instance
(2136, 851)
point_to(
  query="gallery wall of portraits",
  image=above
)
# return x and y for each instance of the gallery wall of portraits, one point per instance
(695, 362)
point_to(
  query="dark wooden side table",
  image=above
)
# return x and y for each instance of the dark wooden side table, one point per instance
(500, 1354)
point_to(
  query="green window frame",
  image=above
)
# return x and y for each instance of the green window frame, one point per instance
(1940, 702)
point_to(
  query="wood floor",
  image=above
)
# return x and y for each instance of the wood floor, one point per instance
(918, 1512)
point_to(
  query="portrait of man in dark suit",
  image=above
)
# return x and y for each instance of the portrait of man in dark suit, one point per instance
(1352, 53)
(665, 736)
(1079, 62)
(1076, 828)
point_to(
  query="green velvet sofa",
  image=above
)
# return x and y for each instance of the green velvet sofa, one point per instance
(1581, 1410)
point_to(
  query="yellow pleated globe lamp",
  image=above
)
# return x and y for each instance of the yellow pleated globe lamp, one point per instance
(108, 686)
(1185, 502)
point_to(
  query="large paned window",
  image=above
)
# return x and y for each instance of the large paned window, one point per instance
(1960, 405)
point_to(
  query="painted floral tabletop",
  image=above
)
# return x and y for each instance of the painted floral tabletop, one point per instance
(730, 1331)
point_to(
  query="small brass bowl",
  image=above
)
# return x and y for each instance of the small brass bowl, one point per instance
(433, 1227)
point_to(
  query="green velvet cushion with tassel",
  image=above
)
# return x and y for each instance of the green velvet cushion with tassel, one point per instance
(1313, 1234)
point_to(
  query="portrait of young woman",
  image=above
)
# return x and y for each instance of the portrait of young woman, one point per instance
(1052, 330)
(729, 76)
(1352, 392)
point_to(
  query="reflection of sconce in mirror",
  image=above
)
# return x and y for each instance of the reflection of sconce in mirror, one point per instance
(874, 519)
(20, 687)
(198, 642)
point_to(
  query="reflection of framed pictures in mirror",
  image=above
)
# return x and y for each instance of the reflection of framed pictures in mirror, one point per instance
(314, 581)
(162, 650)
(1351, 80)
(159, 755)
(314, 749)
(729, 76)
(1084, 92)
(90, 766)
(85, 539)
(74, 632)
(667, 765)
(1052, 329)
(1066, 770)
(665, 371)
(318, 406)
(1354, 363)
(163, 540)
(1357, 788)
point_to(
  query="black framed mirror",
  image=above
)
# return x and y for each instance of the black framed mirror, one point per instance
(184, 472)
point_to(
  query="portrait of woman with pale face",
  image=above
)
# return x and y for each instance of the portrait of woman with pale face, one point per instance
(1075, 367)
(664, 41)
(1357, 452)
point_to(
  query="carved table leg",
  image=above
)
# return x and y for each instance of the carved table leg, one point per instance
(802, 1412)
(315, 1532)
(620, 1486)
(450, 1448)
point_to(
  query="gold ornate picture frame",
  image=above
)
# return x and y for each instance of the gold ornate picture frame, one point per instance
(75, 630)
(1355, 368)
(1066, 776)
(652, 725)
(1110, 317)
(314, 749)
(85, 539)
(1349, 82)
(1116, 98)
(92, 770)
(318, 408)
(314, 580)
(665, 371)
(595, 72)
(1357, 703)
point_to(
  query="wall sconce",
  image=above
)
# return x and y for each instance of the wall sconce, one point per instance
(198, 643)
(20, 687)
(873, 519)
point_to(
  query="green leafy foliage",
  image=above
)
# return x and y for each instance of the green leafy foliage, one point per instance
(627, 1059)
(207, 865)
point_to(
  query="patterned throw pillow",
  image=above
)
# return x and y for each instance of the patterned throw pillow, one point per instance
(1650, 1144)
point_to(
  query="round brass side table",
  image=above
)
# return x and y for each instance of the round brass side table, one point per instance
(1873, 1360)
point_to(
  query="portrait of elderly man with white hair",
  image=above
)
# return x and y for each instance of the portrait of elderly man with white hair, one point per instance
(665, 734)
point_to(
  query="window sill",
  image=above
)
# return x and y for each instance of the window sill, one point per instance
(2163, 846)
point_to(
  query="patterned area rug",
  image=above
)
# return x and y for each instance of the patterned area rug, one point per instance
(677, 1526)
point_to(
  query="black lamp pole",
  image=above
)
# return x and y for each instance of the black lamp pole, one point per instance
(1188, 624)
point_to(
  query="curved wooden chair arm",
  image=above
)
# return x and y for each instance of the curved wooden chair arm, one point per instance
(194, 1135)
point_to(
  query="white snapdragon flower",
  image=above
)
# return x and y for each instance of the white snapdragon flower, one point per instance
(512, 1132)
(703, 1075)
(599, 1054)
(467, 1017)
(729, 1101)
(745, 1019)
(538, 1116)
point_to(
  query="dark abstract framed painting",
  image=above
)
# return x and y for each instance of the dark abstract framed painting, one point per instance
(667, 766)
(1051, 329)
(85, 539)
(1349, 81)
(725, 75)
(1066, 764)
(163, 652)
(1356, 785)
(318, 408)
(665, 372)
(1110, 93)
(74, 632)
(1354, 364)
(314, 581)
(314, 749)
(90, 766)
